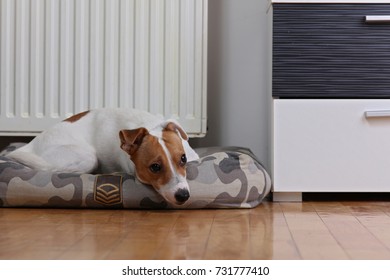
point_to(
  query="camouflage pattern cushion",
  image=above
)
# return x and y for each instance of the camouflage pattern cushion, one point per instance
(222, 178)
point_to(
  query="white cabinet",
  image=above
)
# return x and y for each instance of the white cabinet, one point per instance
(331, 90)
(331, 145)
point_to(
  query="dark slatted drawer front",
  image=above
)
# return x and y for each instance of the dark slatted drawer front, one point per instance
(330, 51)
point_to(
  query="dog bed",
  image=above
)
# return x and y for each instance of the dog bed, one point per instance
(228, 177)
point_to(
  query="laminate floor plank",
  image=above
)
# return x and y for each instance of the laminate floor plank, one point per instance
(313, 239)
(270, 237)
(229, 235)
(189, 236)
(355, 238)
(307, 230)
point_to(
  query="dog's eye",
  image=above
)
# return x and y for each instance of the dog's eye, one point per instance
(183, 160)
(155, 168)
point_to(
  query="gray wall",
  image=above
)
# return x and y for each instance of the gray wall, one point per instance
(239, 64)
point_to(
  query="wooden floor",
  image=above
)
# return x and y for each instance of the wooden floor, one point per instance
(308, 230)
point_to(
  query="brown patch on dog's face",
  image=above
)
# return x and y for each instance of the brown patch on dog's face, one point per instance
(76, 117)
(151, 163)
(159, 162)
(175, 147)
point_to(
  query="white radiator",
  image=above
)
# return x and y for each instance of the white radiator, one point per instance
(60, 57)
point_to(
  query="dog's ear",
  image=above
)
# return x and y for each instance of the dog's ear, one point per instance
(172, 125)
(132, 139)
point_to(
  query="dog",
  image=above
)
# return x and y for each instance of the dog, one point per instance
(133, 141)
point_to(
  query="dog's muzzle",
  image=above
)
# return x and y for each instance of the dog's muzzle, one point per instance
(181, 196)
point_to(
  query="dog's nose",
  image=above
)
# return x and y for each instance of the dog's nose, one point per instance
(182, 195)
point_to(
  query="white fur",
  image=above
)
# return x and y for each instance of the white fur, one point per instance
(93, 140)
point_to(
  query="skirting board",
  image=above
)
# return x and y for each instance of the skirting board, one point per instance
(287, 196)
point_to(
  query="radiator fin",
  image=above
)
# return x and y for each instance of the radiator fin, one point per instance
(61, 57)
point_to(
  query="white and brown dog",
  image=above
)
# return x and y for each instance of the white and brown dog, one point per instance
(116, 140)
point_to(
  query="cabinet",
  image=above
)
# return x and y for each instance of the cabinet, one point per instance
(331, 97)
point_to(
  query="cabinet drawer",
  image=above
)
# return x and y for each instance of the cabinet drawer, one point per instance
(331, 145)
(331, 51)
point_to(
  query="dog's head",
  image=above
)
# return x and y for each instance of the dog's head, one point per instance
(160, 159)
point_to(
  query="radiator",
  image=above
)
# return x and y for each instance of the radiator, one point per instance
(61, 57)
